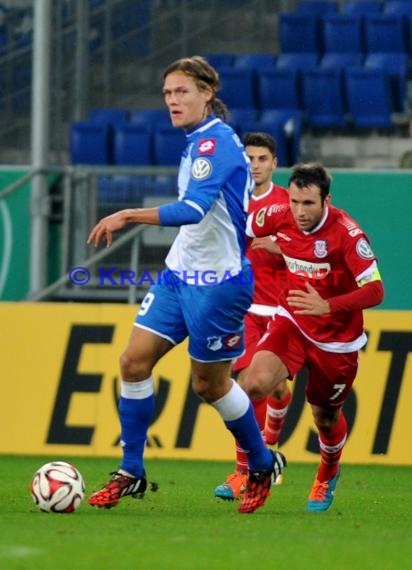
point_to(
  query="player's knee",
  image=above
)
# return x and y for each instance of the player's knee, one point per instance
(133, 368)
(325, 421)
(254, 386)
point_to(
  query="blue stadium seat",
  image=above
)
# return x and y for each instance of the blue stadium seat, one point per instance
(168, 145)
(401, 7)
(404, 9)
(299, 33)
(218, 60)
(396, 64)
(255, 61)
(369, 97)
(323, 100)
(132, 145)
(275, 129)
(150, 117)
(317, 7)
(113, 190)
(285, 127)
(362, 7)
(239, 116)
(385, 33)
(110, 116)
(341, 60)
(291, 122)
(297, 61)
(278, 89)
(90, 143)
(343, 33)
(238, 87)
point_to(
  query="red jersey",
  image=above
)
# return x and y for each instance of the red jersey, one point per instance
(265, 296)
(332, 257)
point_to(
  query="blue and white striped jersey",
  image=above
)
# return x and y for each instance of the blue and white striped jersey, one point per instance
(214, 179)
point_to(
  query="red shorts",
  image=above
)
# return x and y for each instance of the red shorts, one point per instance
(331, 374)
(255, 328)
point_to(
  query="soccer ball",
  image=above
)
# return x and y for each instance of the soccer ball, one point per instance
(57, 487)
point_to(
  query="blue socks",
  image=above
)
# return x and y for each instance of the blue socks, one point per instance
(246, 431)
(136, 413)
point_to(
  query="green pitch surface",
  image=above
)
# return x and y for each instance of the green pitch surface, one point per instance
(182, 525)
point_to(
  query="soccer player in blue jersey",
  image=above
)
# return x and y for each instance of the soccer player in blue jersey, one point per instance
(214, 185)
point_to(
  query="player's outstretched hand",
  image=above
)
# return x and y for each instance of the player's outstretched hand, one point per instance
(104, 229)
(307, 302)
(267, 244)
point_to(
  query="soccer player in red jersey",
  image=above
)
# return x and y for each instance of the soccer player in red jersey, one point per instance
(266, 260)
(332, 276)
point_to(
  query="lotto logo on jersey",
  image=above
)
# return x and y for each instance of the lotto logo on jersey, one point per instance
(206, 146)
(232, 341)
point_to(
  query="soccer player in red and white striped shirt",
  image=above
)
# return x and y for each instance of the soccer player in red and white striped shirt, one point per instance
(332, 275)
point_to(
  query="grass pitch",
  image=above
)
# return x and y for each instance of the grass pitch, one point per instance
(182, 526)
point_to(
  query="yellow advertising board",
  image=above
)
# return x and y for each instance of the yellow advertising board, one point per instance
(60, 385)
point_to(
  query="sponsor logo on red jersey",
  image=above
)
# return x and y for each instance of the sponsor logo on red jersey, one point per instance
(206, 146)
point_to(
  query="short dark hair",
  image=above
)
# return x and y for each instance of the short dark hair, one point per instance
(260, 139)
(311, 173)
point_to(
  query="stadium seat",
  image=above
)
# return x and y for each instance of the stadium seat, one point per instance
(278, 89)
(150, 117)
(401, 7)
(239, 116)
(396, 64)
(168, 145)
(275, 129)
(297, 61)
(255, 61)
(113, 190)
(132, 145)
(342, 33)
(404, 9)
(238, 87)
(369, 97)
(285, 127)
(218, 60)
(90, 143)
(341, 60)
(385, 33)
(110, 116)
(323, 101)
(317, 7)
(299, 33)
(291, 122)
(362, 7)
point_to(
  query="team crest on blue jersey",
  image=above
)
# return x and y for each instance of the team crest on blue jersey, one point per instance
(214, 343)
(320, 248)
(201, 168)
(206, 146)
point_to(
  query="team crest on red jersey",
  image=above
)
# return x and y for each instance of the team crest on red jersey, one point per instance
(321, 248)
(206, 146)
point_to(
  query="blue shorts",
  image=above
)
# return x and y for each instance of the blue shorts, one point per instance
(211, 316)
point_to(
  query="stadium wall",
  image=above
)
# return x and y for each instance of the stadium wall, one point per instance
(60, 386)
(380, 201)
(59, 381)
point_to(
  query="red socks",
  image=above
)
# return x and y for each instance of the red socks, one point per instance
(331, 446)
